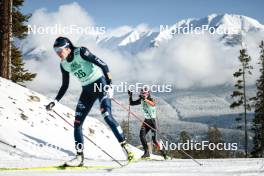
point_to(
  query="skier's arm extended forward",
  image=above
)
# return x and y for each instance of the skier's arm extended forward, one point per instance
(87, 55)
(134, 102)
(150, 101)
(63, 89)
(131, 101)
(65, 84)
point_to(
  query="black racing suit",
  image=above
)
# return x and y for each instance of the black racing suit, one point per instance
(149, 124)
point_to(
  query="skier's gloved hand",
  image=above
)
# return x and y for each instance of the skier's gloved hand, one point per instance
(109, 81)
(50, 106)
(142, 97)
(129, 93)
(110, 92)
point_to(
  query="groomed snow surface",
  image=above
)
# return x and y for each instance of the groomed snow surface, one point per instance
(24, 122)
(177, 167)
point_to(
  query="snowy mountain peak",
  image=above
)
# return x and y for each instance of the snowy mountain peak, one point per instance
(238, 22)
(130, 38)
(136, 41)
(228, 22)
(211, 16)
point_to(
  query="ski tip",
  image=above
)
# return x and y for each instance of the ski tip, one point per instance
(63, 165)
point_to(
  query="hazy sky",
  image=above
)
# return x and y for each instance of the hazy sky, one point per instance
(113, 13)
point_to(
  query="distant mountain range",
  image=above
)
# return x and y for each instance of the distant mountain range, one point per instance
(140, 39)
(135, 41)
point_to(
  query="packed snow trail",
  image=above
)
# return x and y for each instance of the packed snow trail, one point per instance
(179, 167)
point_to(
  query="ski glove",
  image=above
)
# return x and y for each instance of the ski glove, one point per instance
(50, 106)
(110, 92)
(108, 81)
(129, 93)
(142, 97)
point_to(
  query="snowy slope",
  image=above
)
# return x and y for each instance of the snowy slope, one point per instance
(25, 123)
(197, 103)
(39, 134)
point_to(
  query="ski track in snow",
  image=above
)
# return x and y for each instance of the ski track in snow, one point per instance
(185, 167)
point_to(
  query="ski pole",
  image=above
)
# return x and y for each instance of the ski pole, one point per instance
(90, 140)
(14, 146)
(132, 113)
(128, 119)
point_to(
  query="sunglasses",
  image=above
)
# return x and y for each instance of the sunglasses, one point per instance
(59, 49)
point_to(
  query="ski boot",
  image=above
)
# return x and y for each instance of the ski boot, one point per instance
(164, 154)
(145, 155)
(130, 154)
(76, 162)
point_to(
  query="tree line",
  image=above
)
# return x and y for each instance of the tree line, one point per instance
(13, 27)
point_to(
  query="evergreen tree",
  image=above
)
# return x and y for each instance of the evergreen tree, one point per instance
(215, 137)
(124, 126)
(5, 37)
(18, 73)
(19, 31)
(184, 137)
(239, 94)
(258, 121)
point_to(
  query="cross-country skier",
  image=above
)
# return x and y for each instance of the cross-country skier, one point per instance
(149, 110)
(90, 71)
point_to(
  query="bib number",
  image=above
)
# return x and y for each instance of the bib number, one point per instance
(80, 74)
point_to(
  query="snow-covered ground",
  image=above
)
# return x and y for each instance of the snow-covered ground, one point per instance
(215, 167)
(31, 136)
(26, 124)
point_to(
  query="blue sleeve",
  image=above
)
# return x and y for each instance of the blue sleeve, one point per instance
(88, 56)
(65, 84)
